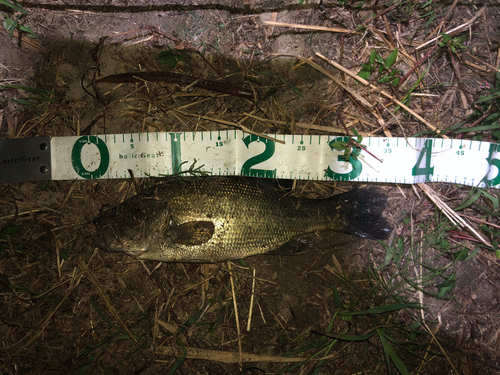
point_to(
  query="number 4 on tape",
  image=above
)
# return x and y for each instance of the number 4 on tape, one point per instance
(426, 170)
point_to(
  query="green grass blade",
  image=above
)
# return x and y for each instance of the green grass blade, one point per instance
(343, 337)
(478, 128)
(179, 362)
(390, 353)
(383, 309)
(469, 200)
(294, 89)
(14, 5)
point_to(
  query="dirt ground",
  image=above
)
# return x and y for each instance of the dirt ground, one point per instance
(67, 307)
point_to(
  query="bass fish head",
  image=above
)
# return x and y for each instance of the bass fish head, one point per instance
(130, 228)
(148, 232)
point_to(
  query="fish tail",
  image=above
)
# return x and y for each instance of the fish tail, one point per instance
(361, 213)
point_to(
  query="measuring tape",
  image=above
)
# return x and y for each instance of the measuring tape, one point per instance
(233, 152)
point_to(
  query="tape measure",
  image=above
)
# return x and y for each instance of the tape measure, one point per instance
(236, 153)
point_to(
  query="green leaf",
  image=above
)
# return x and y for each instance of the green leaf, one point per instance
(492, 198)
(383, 309)
(391, 59)
(14, 5)
(488, 98)
(461, 255)
(390, 353)
(364, 74)
(9, 232)
(343, 337)
(469, 200)
(180, 361)
(339, 145)
(471, 255)
(373, 57)
(444, 244)
(447, 285)
(294, 89)
(336, 296)
(64, 254)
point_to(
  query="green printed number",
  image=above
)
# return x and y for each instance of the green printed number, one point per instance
(426, 170)
(76, 157)
(357, 167)
(495, 162)
(268, 152)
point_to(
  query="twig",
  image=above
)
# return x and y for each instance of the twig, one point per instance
(351, 140)
(417, 65)
(451, 214)
(453, 31)
(311, 27)
(304, 125)
(382, 92)
(230, 123)
(250, 311)
(236, 315)
(106, 301)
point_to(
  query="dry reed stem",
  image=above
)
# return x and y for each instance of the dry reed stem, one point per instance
(231, 357)
(454, 217)
(311, 27)
(351, 91)
(234, 124)
(454, 30)
(238, 331)
(250, 311)
(45, 322)
(303, 125)
(106, 300)
(382, 92)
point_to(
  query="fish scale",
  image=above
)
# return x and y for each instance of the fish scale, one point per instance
(222, 218)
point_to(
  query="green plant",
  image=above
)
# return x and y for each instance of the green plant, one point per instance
(398, 344)
(31, 101)
(427, 249)
(170, 56)
(11, 22)
(454, 44)
(383, 66)
(486, 114)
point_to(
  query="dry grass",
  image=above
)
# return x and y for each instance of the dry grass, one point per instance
(67, 307)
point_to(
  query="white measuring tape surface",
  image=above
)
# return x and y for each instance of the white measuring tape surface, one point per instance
(233, 152)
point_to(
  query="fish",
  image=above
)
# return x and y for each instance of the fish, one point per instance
(214, 219)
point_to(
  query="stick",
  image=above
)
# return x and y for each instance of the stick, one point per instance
(251, 303)
(230, 123)
(382, 92)
(236, 316)
(311, 27)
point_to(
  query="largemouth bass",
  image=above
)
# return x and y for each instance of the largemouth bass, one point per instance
(222, 218)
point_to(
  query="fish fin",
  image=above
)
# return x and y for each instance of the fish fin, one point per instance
(295, 246)
(361, 211)
(191, 233)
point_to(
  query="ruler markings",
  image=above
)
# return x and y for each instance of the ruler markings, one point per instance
(112, 155)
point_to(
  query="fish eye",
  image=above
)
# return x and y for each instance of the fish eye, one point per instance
(114, 231)
(115, 211)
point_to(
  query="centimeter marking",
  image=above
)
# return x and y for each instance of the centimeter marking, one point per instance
(233, 152)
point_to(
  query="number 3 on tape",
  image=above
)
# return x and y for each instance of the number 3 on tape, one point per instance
(357, 167)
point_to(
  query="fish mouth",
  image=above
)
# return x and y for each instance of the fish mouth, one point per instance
(109, 239)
